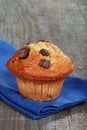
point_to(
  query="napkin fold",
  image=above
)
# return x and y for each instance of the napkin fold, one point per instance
(74, 91)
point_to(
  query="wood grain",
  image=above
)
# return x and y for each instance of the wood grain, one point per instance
(63, 22)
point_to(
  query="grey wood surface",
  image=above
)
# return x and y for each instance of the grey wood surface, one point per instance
(63, 22)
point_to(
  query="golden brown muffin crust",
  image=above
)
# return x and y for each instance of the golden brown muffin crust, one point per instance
(43, 61)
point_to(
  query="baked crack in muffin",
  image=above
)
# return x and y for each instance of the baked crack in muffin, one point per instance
(40, 69)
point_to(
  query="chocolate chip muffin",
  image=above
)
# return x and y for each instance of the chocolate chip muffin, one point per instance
(40, 69)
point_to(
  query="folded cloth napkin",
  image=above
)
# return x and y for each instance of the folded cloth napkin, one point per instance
(74, 91)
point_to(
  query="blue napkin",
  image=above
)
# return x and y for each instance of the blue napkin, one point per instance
(74, 91)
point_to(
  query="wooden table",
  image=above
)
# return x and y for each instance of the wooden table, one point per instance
(63, 22)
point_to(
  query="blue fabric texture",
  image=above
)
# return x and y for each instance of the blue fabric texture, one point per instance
(74, 91)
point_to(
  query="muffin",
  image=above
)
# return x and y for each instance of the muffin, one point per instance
(40, 69)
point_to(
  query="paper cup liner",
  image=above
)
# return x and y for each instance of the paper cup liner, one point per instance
(39, 90)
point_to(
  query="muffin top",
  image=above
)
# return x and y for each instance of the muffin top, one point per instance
(40, 61)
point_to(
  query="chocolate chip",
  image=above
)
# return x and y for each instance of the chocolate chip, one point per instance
(49, 96)
(44, 63)
(27, 48)
(13, 60)
(27, 43)
(44, 52)
(24, 52)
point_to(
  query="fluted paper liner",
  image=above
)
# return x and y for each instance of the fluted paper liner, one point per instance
(39, 90)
